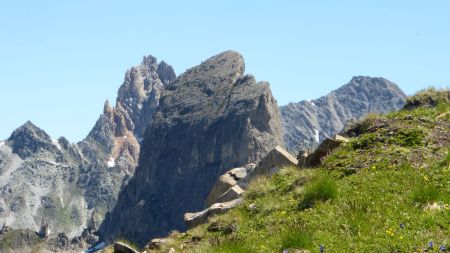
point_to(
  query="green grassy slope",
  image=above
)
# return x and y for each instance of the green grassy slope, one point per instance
(387, 190)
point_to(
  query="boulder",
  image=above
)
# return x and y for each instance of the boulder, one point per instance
(120, 247)
(324, 149)
(219, 208)
(276, 159)
(194, 219)
(232, 193)
(157, 243)
(225, 182)
(221, 190)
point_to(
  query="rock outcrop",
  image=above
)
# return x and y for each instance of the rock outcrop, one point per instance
(211, 118)
(324, 149)
(307, 123)
(194, 219)
(65, 184)
(226, 187)
(275, 160)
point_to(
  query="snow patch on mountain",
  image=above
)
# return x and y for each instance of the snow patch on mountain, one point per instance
(316, 135)
(111, 163)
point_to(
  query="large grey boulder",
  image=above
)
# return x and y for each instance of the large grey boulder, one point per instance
(308, 123)
(211, 118)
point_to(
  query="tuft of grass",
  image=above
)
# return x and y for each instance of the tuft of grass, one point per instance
(323, 188)
(296, 239)
(426, 194)
(230, 247)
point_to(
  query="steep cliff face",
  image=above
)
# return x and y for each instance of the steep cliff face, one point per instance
(210, 119)
(307, 123)
(65, 183)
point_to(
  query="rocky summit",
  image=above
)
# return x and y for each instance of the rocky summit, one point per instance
(309, 122)
(211, 118)
(66, 188)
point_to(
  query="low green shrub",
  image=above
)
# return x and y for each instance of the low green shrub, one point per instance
(426, 194)
(364, 141)
(295, 239)
(323, 188)
(409, 137)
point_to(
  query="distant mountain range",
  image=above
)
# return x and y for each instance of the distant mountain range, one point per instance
(69, 185)
(307, 123)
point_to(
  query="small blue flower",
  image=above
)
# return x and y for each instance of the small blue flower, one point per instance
(285, 251)
(442, 248)
(402, 226)
(430, 244)
(321, 248)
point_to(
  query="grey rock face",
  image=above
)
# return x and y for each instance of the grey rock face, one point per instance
(210, 119)
(307, 123)
(140, 92)
(29, 139)
(65, 183)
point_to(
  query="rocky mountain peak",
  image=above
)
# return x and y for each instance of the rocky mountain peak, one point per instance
(149, 60)
(108, 110)
(29, 139)
(211, 119)
(364, 84)
(140, 92)
(165, 73)
(223, 68)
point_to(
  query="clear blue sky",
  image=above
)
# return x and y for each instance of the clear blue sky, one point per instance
(60, 60)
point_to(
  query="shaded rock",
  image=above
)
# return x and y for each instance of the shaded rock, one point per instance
(44, 231)
(120, 247)
(324, 149)
(62, 241)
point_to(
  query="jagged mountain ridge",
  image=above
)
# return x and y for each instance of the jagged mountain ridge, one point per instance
(307, 123)
(64, 183)
(211, 118)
